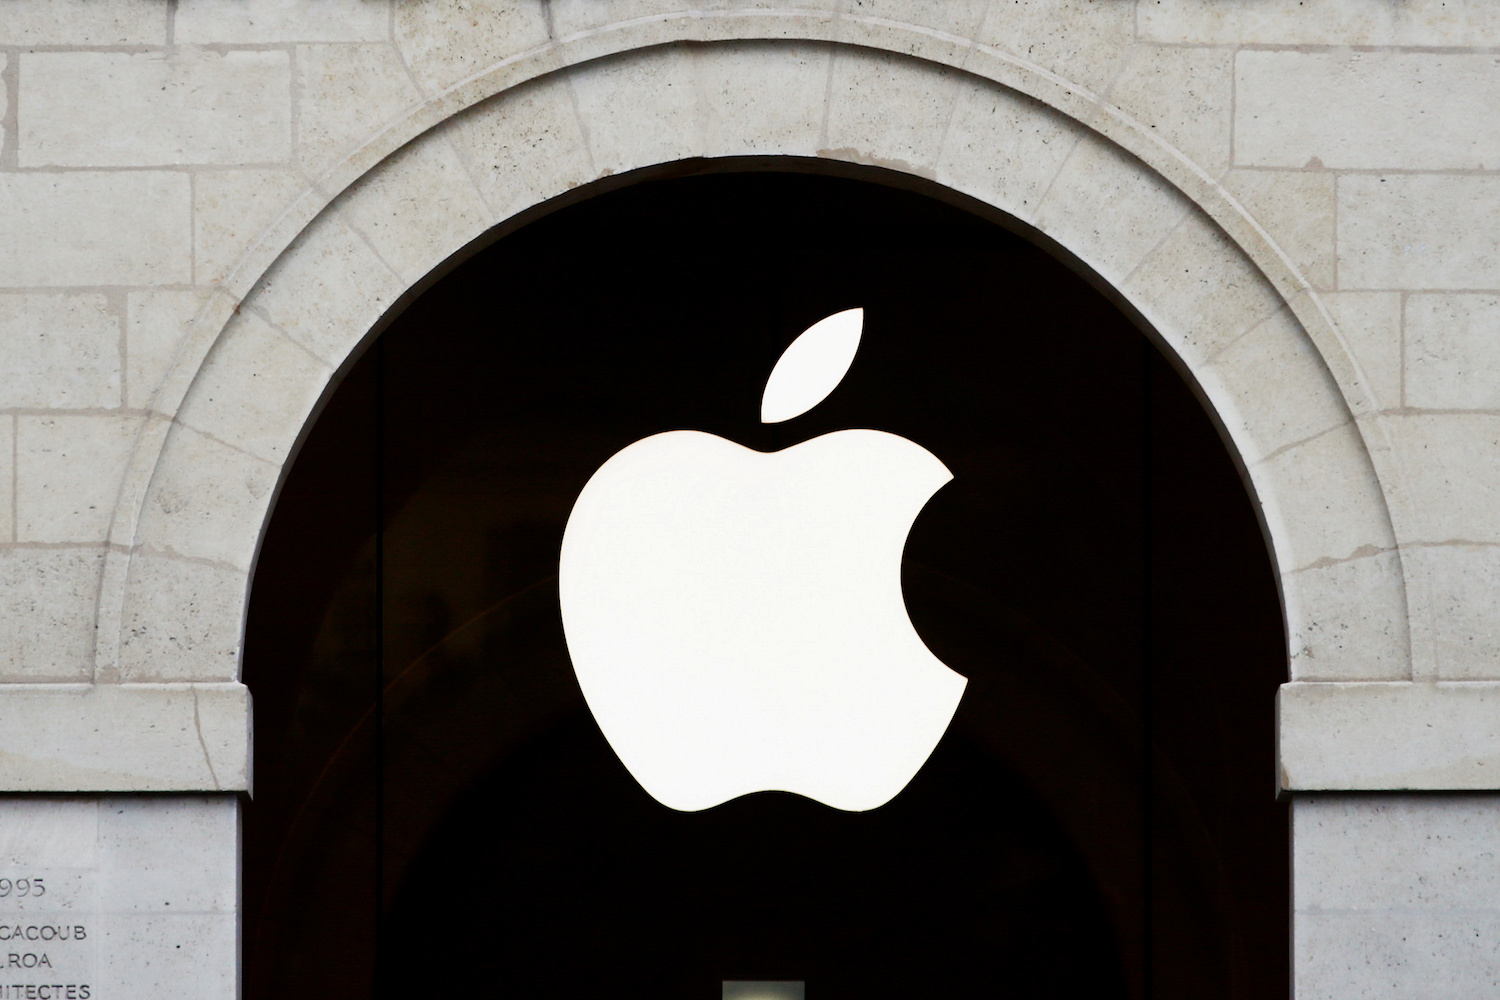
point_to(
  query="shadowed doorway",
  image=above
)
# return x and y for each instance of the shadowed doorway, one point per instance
(436, 809)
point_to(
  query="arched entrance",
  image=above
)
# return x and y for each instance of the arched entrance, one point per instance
(1095, 569)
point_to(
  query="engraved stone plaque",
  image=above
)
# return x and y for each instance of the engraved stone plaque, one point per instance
(121, 896)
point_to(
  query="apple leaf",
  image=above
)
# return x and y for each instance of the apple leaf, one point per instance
(812, 366)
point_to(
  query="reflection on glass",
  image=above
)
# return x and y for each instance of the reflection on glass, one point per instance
(753, 989)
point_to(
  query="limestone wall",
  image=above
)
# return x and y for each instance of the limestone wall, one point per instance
(204, 206)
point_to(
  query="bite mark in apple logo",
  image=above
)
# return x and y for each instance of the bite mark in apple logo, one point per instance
(735, 617)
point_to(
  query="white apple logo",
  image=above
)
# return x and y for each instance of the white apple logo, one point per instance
(735, 617)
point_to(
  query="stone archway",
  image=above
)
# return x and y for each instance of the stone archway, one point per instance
(204, 480)
(505, 342)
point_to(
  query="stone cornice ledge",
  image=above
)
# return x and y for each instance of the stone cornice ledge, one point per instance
(125, 738)
(1388, 736)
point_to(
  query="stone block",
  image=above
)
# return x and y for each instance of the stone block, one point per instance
(1297, 208)
(263, 22)
(183, 620)
(1080, 40)
(1274, 389)
(1106, 210)
(1347, 620)
(1394, 954)
(255, 389)
(1450, 475)
(172, 956)
(129, 851)
(155, 324)
(7, 479)
(1388, 736)
(639, 109)
(1004, 148)
(419, 209)
(60, 352)
(1370, 323)
(47, 600)
(861, 125)
(762, 99)
(345, 94)
(137, 109)
(232, 209)
(1461, 584)
(1184, 96)
(526, 146)
(1420, 231)
(951, 17)
(327, 290)
(159, 923)
(1393, 852)
(1395, 896)
(1336, 22)
(207, 500)
(84, 22)
(1366, 110)
(95, 228)
(55, 832)
(446, 41)
(1199, 290)
(1453, 352)
(1322, 501)
(574, 17)
(125, 737)
(69, 468)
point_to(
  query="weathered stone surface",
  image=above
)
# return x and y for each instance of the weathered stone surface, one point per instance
(260, 22)
(1395, 895)
(1322, 500)
(7, 479)
(1419, 231)
(345, 93)
(125, 737)
(327, 290)
(1371, 326)
(1461, 585)
(182, 620)
(156, 322)
(1453, 352)
(526, 146)
(1448, 470)
(83, 22)
(1335, 22)
(1347, 620)
(68, 473)
(1297, 208)
(47, 598)
(288, 379)
(1388, 736)
(1366, 110)
(95, 228)
(60, 351)
(1083, 41)
(146, 887)
(207, 500)
(445, 41)
(1184, 95)
(420, 209)
(138, 109)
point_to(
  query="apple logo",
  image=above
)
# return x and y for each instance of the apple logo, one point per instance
(735, 617)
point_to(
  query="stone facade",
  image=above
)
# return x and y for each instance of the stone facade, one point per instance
(206, 206)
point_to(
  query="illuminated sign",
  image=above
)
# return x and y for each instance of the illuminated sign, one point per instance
(735, 617)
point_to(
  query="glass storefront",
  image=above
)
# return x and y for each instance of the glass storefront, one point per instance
(436, 810)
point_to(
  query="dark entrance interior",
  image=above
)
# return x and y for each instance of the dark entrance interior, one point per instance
(437, 812)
